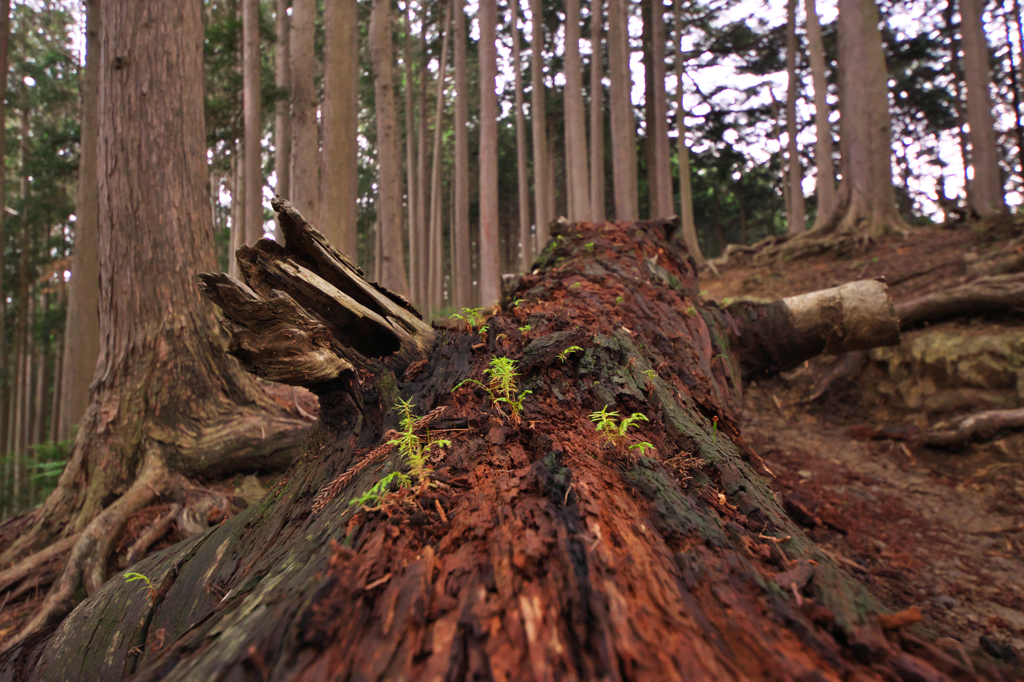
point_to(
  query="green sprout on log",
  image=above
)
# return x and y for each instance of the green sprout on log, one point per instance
(615, 431)
(501, 387)
(525, 328)
(564, 355)
(150, 590)
(473, 317)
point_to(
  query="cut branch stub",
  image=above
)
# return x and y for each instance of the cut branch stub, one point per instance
(306, 314)
(774, 337)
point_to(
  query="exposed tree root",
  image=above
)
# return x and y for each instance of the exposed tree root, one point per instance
(156, 530)
(23, 568)
(978, 426)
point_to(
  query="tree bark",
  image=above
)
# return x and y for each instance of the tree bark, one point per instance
(543, 191)
(576, 166)
(660, 180)
(622, 122)
(413, 196)
(462, 274)
(389, 159)
(689, 225)
(435, 275)
(81, 347)
(165, 401)
(522, 171)
(490, 283)
(597, 180)
(985, 192)
(282, 115)
(796, 218)
(252, 108)
(826, 175)
(534, 547)
(422, 220)
(305, 168)
(339, 162)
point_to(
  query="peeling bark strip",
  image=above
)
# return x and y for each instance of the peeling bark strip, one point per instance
(775, 337)
(306, 314)
(534, 551)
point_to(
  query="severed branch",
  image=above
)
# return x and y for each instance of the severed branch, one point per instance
(774, 337)
(978, 426)
(983, 295)
(305, 314)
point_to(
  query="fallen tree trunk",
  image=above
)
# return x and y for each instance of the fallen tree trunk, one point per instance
(531, 545)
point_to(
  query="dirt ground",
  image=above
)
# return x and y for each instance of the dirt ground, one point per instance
(942, 530)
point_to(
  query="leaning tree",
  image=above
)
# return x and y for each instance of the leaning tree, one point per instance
(558, 491)
(165, 401)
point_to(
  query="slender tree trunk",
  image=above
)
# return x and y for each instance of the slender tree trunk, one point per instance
(339, 177)
(305, 169)
(435, 289)
(237, 206)
(422, 202)
(81, 347)
(597, 197)
(985, 193)
(1018, 123)
(282, 112)
(576, 166)
(689, 226)
(623, 124)
(659, 174)
(252, 108)
(543, 191)
(490, 284)
(796, 216)
(826, 175)
(412, 191)
(389, 159)
(461, 269)
(522, 175)
(56, 400)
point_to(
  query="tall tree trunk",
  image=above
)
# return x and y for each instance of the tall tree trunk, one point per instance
(490, 289)
(622, 123)
(543, 191)
(796, 214)
(435, 289)
(826, 174)
(659, 174)
(165, 399)
(412, 189)
(82, 345)
(522, 174)
(985, 193)
(422, 205)
(389, 158)
(339, 176)
(237, 206)
(282, 111)
(1018, 122)
(687, 222)
(461, 269)
(252, 108)
(5, 358)
(305, 169)
(597, 197)
(576, 166)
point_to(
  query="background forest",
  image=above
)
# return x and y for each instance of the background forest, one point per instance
(376, 121)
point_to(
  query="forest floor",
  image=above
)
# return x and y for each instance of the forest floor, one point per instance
(942, 530)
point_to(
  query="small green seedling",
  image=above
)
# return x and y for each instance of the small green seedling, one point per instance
(714, 428)
(691, 311)
(525, 328)
(642, 448)
(515, 303)
(150, 590)
(589, 246)
(576, 285)
(564, 355)
(372, 497)
(619, 300)
(473, 317)
(615, 431)
(650, 375)
(501, 387)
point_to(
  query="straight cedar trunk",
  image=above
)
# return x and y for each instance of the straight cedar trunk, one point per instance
(412, 196)
(339, 161)
(462, 281)
(435, 273)
(389, 159)
(576, 166)
(522, 172)
(623, 126)
(985, 191)
(795, 217)
(488, 236)
(305, 157)
(688, 224)
(5, 363)
(422, 224)
(165, 401)
(252, 114)
(597, 182)
(81, 347)
(826, 175)
(543, 190)
(237, 204)
(282, 112)
(659, 174)
(538, 551)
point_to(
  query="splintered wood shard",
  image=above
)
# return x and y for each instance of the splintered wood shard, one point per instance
(305, 313)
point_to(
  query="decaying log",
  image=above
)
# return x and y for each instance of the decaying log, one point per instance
(530, 549)
(983, 295)
(305, 313)
(978, 426)
(778, 336)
